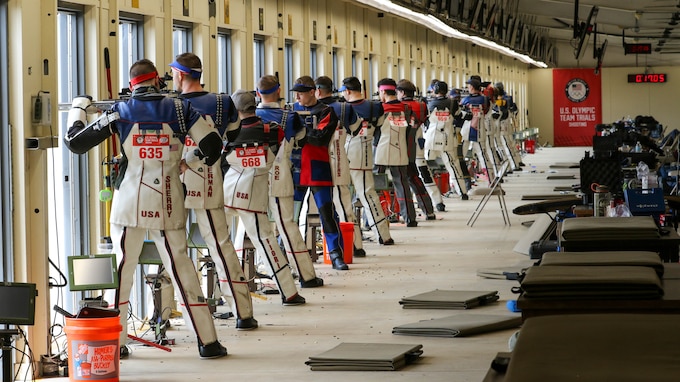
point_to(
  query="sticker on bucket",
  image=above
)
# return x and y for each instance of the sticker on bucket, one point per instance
(95, 360)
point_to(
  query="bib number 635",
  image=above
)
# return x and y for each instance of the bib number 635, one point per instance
(151, 146)
(151, 152)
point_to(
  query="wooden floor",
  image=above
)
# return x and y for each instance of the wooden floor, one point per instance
(361, 305)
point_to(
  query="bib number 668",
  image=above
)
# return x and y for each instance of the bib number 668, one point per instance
(251, 162)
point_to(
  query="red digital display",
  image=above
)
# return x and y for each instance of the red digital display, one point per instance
(657, 78)
(637, 48)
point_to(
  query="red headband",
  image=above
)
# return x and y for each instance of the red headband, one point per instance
(387, 87)
(142, 78)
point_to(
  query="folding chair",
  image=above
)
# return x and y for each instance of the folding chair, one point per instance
(494, 189)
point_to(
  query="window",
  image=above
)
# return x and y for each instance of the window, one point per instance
(68, 172)
(6, 263)
(224, 62)
(258, 57)
(288, 68)
(335, 66)
(355, 71)
(131, 47)
(414, 72)
(390, 68)
(313, 61)
(181, 38)
(372, 81)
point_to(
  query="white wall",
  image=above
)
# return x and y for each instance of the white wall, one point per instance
(620, 99)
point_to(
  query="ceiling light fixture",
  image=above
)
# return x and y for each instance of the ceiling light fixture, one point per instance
(442, 28)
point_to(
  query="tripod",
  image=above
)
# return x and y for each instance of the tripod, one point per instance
(6, 336)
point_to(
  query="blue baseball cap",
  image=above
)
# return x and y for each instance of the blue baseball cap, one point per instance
(302, 88)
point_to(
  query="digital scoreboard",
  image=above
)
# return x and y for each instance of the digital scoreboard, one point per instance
(637, 48)
(641, 78)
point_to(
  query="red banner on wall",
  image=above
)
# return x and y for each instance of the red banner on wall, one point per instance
(577, 102)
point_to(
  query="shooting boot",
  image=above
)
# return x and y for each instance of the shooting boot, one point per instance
(337, 261)
(210, 351)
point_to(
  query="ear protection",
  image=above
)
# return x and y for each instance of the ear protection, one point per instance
(440, 87)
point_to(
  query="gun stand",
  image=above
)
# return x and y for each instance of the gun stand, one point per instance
(6, 344)
(157, 322)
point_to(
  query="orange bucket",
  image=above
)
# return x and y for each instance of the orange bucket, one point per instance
(93, 348)
(347, 232)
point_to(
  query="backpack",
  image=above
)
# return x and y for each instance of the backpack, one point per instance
(500, 108)
(391, 148)
(439, 134)
(336, 151)
(251, 148)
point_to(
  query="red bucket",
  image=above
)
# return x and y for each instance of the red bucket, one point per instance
(530, 146)
(442, 181)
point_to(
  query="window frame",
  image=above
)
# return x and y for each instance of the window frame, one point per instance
(313, 60)
(134, 52)
(259, 56)
(6, 231)
(225, 58)
(289, 59)
(182, 37)
(70, 235)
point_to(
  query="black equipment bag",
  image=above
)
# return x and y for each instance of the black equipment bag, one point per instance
(605, 146)
(602, 171)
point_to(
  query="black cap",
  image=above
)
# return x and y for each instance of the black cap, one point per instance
(475, 83)
(475, 77)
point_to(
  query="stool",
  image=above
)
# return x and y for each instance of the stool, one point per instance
(359, 213)
(210, 270)
(313, 223)
(248, 263)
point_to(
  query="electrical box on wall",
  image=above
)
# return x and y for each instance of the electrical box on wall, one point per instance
(41, 109)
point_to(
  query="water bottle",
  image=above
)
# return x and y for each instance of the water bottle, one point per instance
(643, 175)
